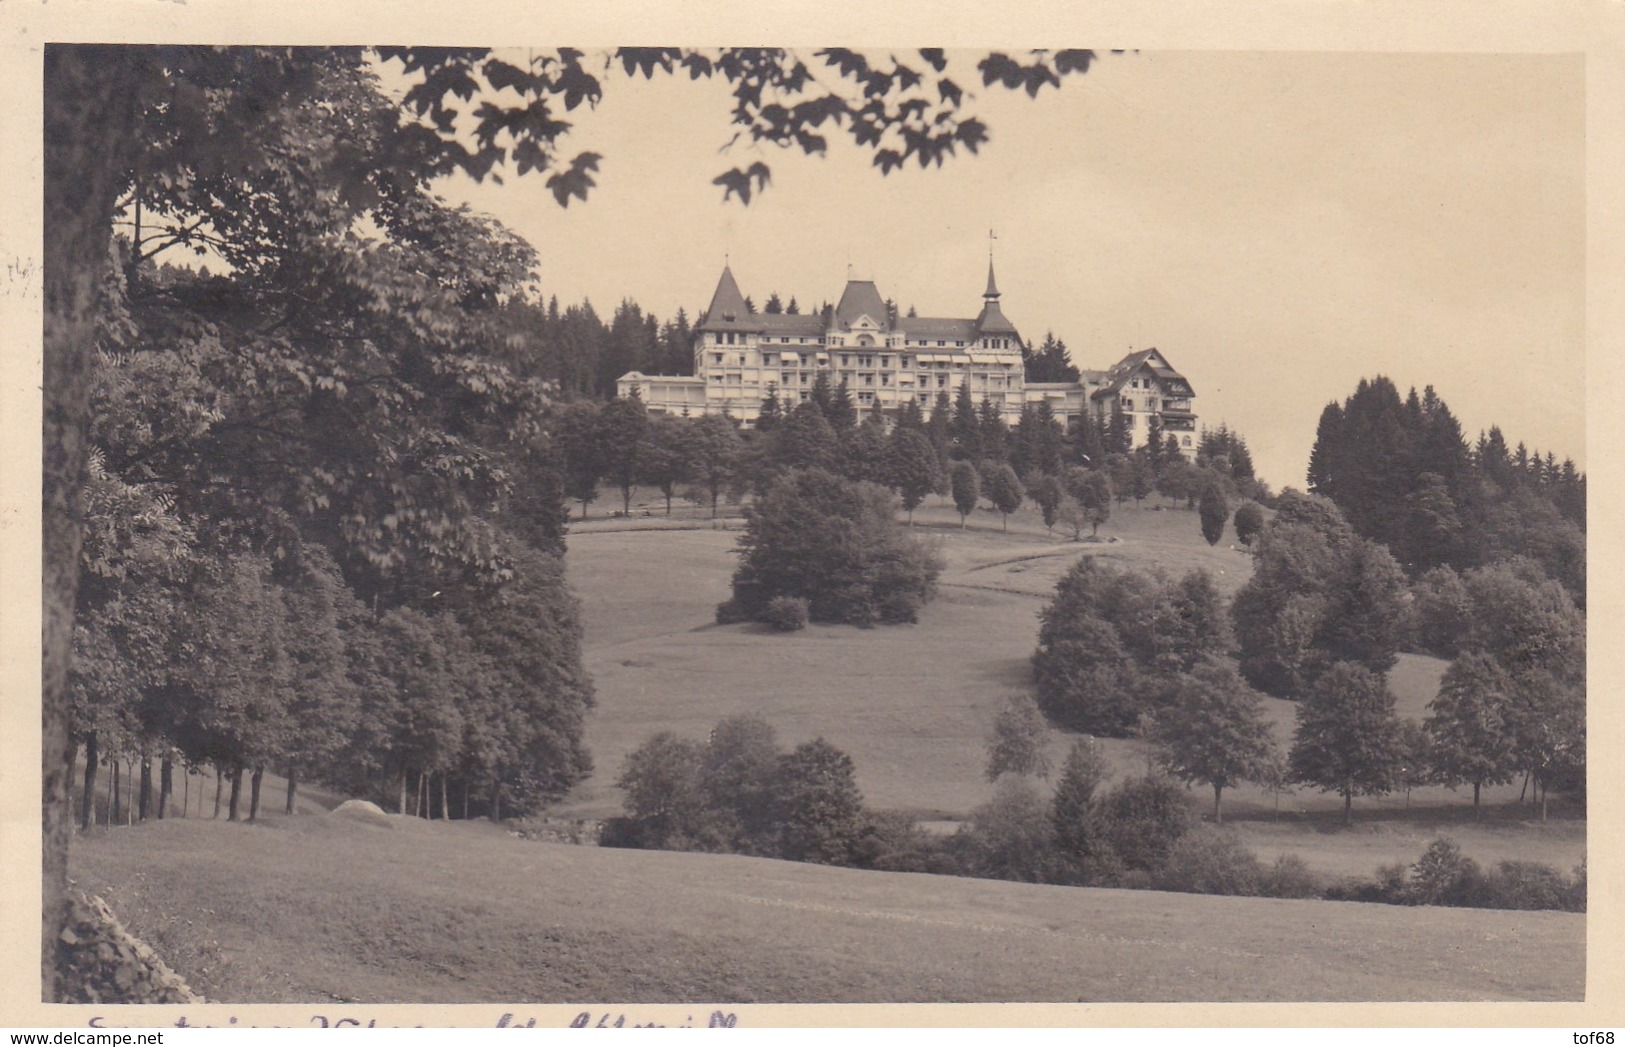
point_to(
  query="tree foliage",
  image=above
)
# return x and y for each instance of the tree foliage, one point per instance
(1404, 476)
(1215, 730)
(1018, 742)
(1215, 512)
(1110, 638)
(1318, 594)
(1347, 736)
(1467, 725)
(837, 545)
(967, 489)
(381, 412)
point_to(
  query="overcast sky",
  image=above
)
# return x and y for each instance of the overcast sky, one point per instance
(1279, 225)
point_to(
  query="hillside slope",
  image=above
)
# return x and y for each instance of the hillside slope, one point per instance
(316, 908)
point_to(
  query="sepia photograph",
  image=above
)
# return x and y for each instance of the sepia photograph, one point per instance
(535, 524)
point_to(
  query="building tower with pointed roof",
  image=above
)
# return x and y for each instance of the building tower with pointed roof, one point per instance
(741, 356)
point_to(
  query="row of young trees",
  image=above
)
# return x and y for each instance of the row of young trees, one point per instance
(961, 450)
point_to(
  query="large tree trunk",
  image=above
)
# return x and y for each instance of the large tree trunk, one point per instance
(445, 805)
(400, 808)
(1478, 814)
(87, 799)
(1217, 789)
(113, 808)
(217, 783)
(1348, 805)
(89, 105)
(166, 783)
(293, 785)
(254, 793)
(144, 797)
(236, 792)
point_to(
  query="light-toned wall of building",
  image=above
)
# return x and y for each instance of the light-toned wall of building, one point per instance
(735, 370)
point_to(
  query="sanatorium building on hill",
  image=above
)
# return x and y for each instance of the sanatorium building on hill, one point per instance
(740, 356)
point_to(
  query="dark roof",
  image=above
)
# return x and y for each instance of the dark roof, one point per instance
(727, 305)
(1118, 374)
(993, 321)
(938, 327)
(786, 323)
(861, 298)
(992, 288)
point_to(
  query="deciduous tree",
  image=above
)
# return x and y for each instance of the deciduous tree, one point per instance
(967, 488)
(623, 431)
(1347, 738)
(1215, 732)
(1018, 741)
(1004, 490)
(914, 467)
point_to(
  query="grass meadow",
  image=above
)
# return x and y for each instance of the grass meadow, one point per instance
(913, 704)
(317, 907)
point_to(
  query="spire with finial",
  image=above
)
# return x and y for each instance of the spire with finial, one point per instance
(992, 324)
(992, 292)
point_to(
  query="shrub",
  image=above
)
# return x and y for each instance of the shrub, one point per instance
(1209, 860)
(1291, 877)
(1528, 885)
(729, 612)
(1577, 889)
(1249, 520)
(787, 614)
(1009, 837)
(893, 841)
(739, 793)
(1144, 817)
(1440, 875)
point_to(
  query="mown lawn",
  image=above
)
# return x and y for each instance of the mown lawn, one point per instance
(317, 908)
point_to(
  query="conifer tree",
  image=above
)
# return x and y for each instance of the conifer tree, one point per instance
(1215, 512)
(967, 425)
(771, 411)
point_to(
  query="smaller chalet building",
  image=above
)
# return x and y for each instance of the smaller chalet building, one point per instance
(740, 356)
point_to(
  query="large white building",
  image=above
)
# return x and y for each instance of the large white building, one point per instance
(741, 356)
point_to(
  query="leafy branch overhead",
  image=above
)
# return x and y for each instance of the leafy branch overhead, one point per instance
(488, 110)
